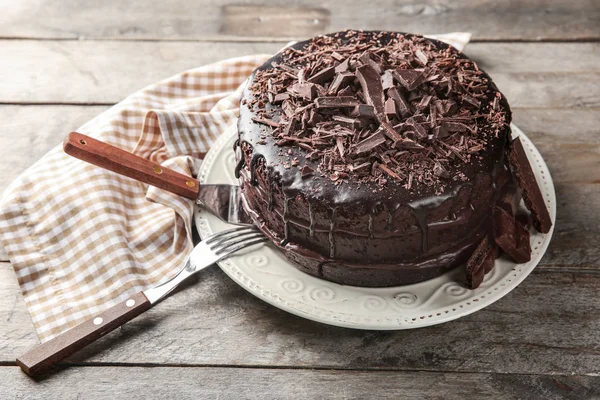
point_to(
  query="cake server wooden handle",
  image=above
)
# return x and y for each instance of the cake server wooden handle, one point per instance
(46, 355)
(122, 162)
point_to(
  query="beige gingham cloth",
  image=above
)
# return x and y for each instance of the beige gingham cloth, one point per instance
(81, 238)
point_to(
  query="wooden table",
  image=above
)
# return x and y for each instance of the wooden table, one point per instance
(63, 62)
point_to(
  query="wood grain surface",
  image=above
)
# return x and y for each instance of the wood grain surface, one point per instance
(278, 20)
(297, 384)
(537, 75)
(64, 62)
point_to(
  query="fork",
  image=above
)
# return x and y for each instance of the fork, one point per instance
(214, 248)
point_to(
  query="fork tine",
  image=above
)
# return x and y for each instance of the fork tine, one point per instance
(226, 246)
(228, 232)
(234, 239)
(228, 250)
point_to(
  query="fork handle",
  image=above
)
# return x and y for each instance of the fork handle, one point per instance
(125, 163)
(46, 355)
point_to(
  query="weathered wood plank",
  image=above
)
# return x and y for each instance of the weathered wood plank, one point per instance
(16, 329)
(212, 19)
(104, 72)
(214, 322)
(29, 132)
(559, 125)
(244, 383)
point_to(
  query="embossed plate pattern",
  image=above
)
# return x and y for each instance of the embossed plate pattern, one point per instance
(267, 274)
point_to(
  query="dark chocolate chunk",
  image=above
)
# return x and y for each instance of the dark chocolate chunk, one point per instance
(511, 236)
(336, 102)
(390, 132)
(440, 171)
(343, 66)
(363, 111)
(390, 108)
(401, 102)
(371, 85)
(322, 76)
(348, 122)
(337, 56)
(480, 263)
(534, 200)
(307, 91)
(314, 118)
(424, 103)
(387, 80)
(421, 57)
(445, 107)
(341, 80)
(370, 143)
(280, 97)
(367, 60)
(307, 171)
(409, 78)
(510, 199)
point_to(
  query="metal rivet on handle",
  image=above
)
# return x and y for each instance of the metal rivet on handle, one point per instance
(98, 320)
(158, 170)
(190, 183)
(130, 303)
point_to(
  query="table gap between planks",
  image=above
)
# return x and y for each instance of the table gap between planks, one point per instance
(64, 62)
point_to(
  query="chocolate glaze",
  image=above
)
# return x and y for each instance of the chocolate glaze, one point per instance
(361, 234)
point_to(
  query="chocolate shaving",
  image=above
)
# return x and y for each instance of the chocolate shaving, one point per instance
(414, 113)
(265, 121)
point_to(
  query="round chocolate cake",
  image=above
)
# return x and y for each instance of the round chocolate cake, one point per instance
(374, 158)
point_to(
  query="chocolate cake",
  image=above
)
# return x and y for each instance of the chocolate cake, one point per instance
(377, 158)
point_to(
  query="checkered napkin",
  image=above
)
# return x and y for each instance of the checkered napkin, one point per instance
(82, 239)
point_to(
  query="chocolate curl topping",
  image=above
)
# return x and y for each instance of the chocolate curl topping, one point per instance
(356, 105)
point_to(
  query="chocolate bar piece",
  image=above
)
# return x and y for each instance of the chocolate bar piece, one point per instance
(534, 200)
(511, 236)
(480, 263)
(372, 89)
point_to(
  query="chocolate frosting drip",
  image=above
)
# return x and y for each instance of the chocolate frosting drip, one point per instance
(363, 224)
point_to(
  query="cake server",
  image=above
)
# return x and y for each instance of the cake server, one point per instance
(224, 201)
(214, 248)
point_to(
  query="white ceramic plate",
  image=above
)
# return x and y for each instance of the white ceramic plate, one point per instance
(267, 274)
